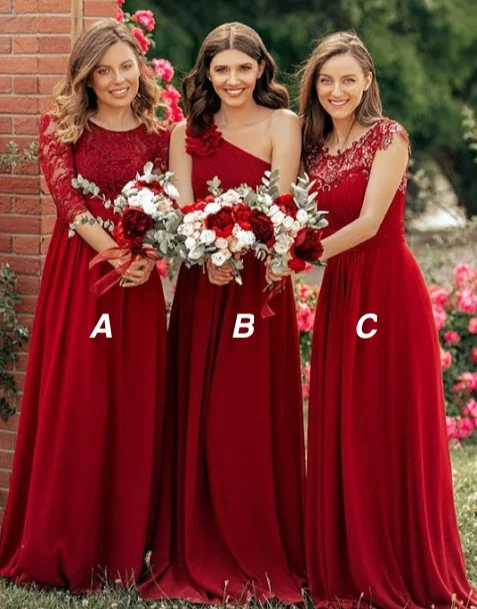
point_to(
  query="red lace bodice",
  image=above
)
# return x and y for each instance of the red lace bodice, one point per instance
(214, 156)
(342, 179)
(107, 158)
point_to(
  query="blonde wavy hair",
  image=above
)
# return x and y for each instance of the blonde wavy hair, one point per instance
(75, 102)
(316, 122)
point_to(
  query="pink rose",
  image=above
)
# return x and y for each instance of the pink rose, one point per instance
(466, 427)
(139, 36)
(451, 423)
(306, 383)
(170, 95)
(120, 2)
(467, 301)
(461, 274)
(163, 69)
(473, 325)
(305, 317)
(471, 409)
(439, 317)
(304, 291)
(446, 359)
(145, 18)
(174, 114)
(473, 355)
(452, 337)
(439, 296)
(162, 266)
(119, 15)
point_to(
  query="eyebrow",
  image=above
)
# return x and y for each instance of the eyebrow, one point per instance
(104, 65)
(345, 76)
(247, 63)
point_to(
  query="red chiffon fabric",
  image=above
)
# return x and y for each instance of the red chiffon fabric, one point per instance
(235, 427)
(380, 518)
(89, 440)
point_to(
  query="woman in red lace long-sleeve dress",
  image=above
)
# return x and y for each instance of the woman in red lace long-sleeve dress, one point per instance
(90, 427)
(236, 421)
(380, 519)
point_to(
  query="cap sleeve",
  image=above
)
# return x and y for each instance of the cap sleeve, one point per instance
(386, 132)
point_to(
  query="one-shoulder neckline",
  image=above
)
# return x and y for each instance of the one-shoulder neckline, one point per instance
(254, 156)
(325, 150)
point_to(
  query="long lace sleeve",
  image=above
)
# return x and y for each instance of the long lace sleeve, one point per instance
(57, 164)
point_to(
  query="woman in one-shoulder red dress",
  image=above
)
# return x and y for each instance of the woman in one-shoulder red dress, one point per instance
(234, 408)
(380, 524)
(85, 471)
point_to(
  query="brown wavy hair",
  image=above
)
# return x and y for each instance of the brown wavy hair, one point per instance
(74, 102)
(200, 100)
(316, 122)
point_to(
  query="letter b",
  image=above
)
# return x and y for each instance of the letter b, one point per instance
(245, 321)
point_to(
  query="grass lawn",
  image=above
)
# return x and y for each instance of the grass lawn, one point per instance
(465, 483)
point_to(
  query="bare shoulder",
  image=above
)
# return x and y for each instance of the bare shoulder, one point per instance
(178, 135)
(284, 118)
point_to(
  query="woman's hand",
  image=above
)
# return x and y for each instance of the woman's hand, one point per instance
(220, 275)
(272, 277)
(138, 273)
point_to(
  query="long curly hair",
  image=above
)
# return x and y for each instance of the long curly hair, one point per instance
(74, 101)
(200, 100)
(316, 122)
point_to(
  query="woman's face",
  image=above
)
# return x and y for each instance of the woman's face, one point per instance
(234, 75)
(115, 79)
(340, 86)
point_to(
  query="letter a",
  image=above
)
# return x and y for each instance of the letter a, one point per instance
(359, 327)
(244, 320)
(100, 330)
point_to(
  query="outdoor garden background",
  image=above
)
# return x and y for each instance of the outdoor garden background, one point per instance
(426, 57)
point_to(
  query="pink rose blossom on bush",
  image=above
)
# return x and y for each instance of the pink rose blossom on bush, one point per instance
(162, 266)
(452, 428)
(462, 274)
(466, 427)
(304, 291)
(139, 36)
(451, 337)
(471, 409)
(120, 2)
(446, 359)
(439, 316)
(163, 69)
(145, 18)
(473, 355)
(467, 301)
(306, 383)
(439, 296)
(473, 325)
(174, 114)
(305, 317)
(119, 15)
(170, 95)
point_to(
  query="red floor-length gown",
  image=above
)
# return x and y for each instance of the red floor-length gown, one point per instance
(237, 434)
(380, 518)
(84, 473)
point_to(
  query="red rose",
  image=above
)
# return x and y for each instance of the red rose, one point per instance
(262, 227)
(132, 227)
(307, 248)
(154, 186)
(242, 215)
(287, 205)
(222, 222)
(198, 205)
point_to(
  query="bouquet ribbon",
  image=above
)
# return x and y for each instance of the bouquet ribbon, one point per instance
(106, 282)
(272, 291)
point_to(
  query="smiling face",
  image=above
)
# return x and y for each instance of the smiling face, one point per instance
(115, 79)
(234, 75)
(341, 84)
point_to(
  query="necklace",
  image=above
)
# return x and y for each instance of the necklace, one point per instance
(343, 147)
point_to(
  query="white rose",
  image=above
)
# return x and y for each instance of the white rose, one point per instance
(230, 197)
(207, 237)
(296, 226)
(278, 218)
(171, 190)
(273, 210)
(246, 237)
(190, 242)
(220, 258)
(196, 253)
(211, 208)
(288, 222)
(187, 230)
(197, 225)
(189, 218)
(280, 248)
(302, 216)
(266, 200)
(221, 243)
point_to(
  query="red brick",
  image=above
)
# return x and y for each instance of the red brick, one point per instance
(6, 459)
(26, 205)
(26, 244)
(54, 25)
(5, 6)
(23, 265)
(28, 285)
(47, 206)
(54, 44)
(11, 424)
(54, 6)
(19, 184)
(6, 442)
(25, 84)
(26, 6)
(5, 243)
(45, 244)
(5, 204)
(5, 45)
(19, 24)
(23, 125)
(21, 363)
(44, 103)
(47, 224)
(21, 140)
(6, 124)
(31, 168)
(5, 84)
(52, 65)
(20, 224)
(5, 476)
(25, 44)
(46, 84)
(18, 65)
(100, 8)
(19, 105)
(27, 320)
(27, 304)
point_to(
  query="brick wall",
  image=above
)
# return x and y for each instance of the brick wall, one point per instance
(35, 39)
